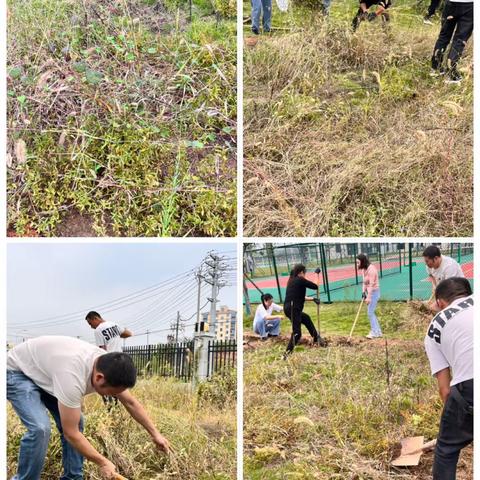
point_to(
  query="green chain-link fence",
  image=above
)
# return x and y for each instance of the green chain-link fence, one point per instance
(401, 268)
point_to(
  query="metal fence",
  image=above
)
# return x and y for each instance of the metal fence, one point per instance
(401, 268)
(177, 359)
(222, 355)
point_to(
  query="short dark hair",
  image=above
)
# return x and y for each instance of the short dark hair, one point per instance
(432, 251)
(364, 261)
(118, 369)
(92, 315)
(452, 288)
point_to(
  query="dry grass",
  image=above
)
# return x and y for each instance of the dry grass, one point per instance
(201, 429)
(348, 135)
(328, 413)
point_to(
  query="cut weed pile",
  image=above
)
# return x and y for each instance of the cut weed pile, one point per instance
(195, 424)
(347, 134)
(121, 119)
(329, 414)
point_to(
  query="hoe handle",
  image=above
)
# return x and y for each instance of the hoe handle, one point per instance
(426, 446)
(356, 318)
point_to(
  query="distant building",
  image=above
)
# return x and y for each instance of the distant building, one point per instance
(226, 323)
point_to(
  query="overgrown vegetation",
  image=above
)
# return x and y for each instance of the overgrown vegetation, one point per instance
(347, 134)
(329, 413)
(121, 118)
(202, 434)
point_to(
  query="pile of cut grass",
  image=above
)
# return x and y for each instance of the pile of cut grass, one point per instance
(200, 429)
(329, 413)
(347, 134)
(121, 119)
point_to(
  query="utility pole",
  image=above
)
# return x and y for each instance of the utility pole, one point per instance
(213, 262)
(177, 327)
(148, 337)
(199, 280)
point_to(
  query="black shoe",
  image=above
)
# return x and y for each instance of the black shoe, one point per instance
(255, 31)
(453, 76)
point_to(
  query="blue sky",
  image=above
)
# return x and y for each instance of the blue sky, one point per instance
(46, 280)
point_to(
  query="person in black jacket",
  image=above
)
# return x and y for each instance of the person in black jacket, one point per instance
(293, 306)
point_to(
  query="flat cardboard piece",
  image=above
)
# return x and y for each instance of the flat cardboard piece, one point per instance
(407, 458)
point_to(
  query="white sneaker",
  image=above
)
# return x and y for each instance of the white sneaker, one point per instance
(370, 336)
(427, 21)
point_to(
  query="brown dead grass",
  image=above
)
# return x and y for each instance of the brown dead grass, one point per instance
(348, 135)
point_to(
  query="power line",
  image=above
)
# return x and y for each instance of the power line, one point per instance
(107, 306)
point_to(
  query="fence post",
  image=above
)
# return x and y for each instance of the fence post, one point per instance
(410, 269)
(246, 296)
(276, 273)
(201, 341)
(380, 259)
(322, 253)
(355, 253)
(149, 356)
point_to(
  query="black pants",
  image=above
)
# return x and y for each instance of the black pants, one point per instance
(360, 15)
(456, 432)
(432, 8)
(298, 318)
(457, 28)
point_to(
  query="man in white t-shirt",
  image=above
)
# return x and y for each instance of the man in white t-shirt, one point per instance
(108, 335)
(440, 267)
(449, 347)
(54, 373)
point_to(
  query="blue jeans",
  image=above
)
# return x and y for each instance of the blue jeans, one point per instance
(31, 403)
(271, 327)
(257, 7)
(374, 325)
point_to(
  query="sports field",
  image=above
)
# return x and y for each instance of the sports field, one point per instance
(394, 281)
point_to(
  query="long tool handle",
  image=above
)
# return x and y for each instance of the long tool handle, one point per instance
(356, 318)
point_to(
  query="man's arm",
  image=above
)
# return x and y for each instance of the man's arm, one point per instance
(443, 379)
(126, 333)
(70, 419)
(138, 413)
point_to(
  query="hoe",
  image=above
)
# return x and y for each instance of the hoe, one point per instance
(412, 449)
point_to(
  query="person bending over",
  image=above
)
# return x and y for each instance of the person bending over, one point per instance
(53, 374)
(265, 324)
(439, 267)
(449, 347)
(363, 14)
(295, 297)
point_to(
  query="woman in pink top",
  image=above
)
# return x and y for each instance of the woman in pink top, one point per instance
(371, 293)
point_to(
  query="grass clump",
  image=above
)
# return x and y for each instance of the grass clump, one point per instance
(348, 135)
(329, 413)
(121, 120)
(192, 430)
